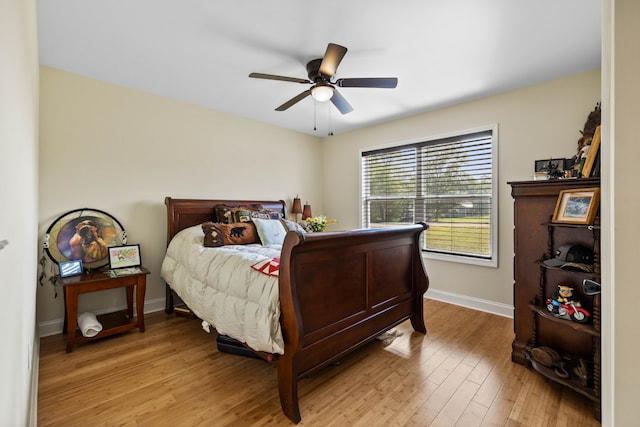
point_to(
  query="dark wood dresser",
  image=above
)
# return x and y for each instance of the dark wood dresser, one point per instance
(535, 239)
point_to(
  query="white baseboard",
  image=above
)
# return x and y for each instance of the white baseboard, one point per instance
(492, 307)
(53, 327)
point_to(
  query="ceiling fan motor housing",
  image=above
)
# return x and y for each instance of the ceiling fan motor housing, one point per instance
(313, 71)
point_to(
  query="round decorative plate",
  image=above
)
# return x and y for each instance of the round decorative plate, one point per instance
(84, 234)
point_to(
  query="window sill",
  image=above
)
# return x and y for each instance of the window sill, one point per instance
(492, 263)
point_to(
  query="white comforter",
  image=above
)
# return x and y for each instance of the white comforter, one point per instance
(221, 288)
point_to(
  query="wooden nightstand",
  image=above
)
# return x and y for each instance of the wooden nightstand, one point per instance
(112, 323)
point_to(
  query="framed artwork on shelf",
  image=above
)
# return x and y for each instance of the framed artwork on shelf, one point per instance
(594, 150)
(578, 206)
(124, 256)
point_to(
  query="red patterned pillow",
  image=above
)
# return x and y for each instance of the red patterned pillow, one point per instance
(270, 267)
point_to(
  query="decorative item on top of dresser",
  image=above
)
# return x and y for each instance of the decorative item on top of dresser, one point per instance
(589, 142)
(550, 169)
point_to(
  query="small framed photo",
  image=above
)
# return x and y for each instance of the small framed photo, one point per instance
(124, 256)
(70, 268)
(578, 206)
(546, 165)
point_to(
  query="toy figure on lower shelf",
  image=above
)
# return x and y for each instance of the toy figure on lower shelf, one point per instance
(563, 305)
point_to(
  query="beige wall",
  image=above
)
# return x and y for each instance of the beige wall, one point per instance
(18, 211)
(122, 151)
(623, 63)
(537, 122)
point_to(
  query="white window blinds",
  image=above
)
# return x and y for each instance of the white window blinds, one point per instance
(447, 183)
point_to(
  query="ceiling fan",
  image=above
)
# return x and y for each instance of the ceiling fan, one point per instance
(320, 72)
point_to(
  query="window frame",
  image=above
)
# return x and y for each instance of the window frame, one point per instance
(492, 260)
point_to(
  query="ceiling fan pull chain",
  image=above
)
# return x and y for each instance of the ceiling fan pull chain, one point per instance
(314, 115)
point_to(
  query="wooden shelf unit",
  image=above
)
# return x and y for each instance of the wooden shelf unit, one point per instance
(535, 239)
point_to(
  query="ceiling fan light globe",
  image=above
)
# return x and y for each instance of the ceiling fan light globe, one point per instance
(322, 93)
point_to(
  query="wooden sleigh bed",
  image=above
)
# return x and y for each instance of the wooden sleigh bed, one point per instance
(337, 290)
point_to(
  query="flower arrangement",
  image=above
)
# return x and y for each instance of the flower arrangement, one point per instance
(318, 223)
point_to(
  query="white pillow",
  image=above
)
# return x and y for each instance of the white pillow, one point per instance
(292, 226)
(271, 231)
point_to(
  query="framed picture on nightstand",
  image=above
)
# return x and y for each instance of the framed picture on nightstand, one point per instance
(124, 256)
(70, 268)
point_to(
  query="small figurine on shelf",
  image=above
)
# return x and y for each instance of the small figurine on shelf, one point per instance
(586, 137)
(562, 304)
(562, 295)
(552, 170)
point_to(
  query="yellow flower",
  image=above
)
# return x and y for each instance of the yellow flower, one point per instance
(318, 223)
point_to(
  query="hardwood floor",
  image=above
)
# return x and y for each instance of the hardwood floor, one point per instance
(459, 374)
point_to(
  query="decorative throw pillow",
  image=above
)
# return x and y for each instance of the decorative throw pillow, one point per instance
(239, 215)
(292, 226)
(265, 214)
(239, 233)
(270, 267)
(271, 232)
(226, 214)
(212, 235)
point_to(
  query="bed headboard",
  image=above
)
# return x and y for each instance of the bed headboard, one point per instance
(183, 213)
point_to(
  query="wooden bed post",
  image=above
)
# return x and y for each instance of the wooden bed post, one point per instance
(291, 322)
(288, 389)
(422, 283)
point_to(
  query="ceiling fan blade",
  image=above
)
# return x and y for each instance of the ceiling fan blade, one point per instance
(340, 102)
(332, 58)
(294, 100)
(377, 82)
(274, 77)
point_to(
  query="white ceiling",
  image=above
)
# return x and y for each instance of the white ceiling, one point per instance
(202, 51)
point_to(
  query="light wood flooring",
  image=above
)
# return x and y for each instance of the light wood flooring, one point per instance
(459, 374)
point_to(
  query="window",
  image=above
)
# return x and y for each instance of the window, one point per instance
(449, 183)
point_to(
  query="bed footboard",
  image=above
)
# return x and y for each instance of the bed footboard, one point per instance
(339, 291)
